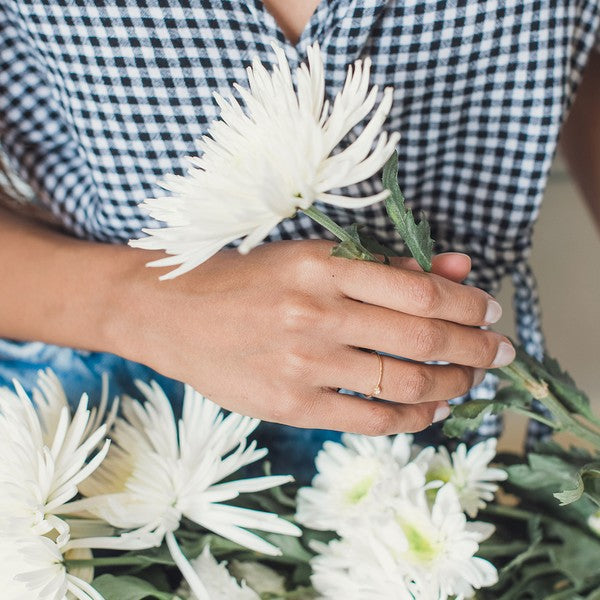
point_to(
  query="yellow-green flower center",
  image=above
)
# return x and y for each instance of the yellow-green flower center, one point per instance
(442, 474)
(439, 473)
(358, 491)
(421, 548)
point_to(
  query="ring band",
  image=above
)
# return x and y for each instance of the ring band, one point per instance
(377, 389)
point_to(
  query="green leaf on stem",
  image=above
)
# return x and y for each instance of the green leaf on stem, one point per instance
(469, 415)
(128, 588)
(563, 386)
(587, 481)
(373, 245)
(352, 246)
(577, 556)
(416, 236)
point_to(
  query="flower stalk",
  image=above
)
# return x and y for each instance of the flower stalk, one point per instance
(357, 251)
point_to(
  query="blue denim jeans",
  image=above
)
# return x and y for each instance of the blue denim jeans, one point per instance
(291, 450)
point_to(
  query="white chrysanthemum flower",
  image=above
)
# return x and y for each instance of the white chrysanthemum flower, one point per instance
(262, 579)
(469, 472)
(354, 479)
(42, 465)
(158, 472)
(594, 522)
(262, 163)
(32, 567)
(50, 399)
(46, 455)
(414, 547)
(220, 585)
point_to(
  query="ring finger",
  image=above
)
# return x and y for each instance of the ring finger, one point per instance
(400, 380)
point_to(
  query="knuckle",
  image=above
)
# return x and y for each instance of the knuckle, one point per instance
(308, 265)
(420, 383)
(284, 409)
(429, 339)
(426, 294)
(488, 347)
(462, 382)
(380, 422)
(296, 364)
(465, 382)
(297, 313)
(419, 418)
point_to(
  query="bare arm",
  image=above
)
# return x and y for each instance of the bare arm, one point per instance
(58, 289)
(580, 137)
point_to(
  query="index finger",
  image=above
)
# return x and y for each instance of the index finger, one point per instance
(416, 293)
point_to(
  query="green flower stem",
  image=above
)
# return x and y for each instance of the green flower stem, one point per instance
(566, 594)
(564, 419)
(496, 550)
(111, 561)
(511, 512)
(320, 217)
(534, 573)
(520, 514)
(534, 416)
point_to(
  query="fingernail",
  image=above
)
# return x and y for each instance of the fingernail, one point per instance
(456, 254)
(441, 413)
(505, 355)
(493, 313)
(478, 376)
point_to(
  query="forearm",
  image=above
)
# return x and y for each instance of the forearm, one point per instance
(61, 290)
(580, 137)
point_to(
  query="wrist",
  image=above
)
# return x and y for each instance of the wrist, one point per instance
(131, 298)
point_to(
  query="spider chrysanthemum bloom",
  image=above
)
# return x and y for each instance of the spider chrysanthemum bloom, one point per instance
(264, 160)
(159, 471)
(33, 568)
(220, 584)
(413, 552)
(469, 472)
(356, 479)
(46, 455)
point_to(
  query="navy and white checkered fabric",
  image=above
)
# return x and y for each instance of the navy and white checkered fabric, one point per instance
(99, 100)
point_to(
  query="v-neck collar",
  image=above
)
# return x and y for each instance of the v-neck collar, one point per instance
(312, 32)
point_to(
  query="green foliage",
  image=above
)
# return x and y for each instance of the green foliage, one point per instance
(525, 372)
(469, 416)
(562, 384)
(360, 245)
(416, 237)
(587, 480)
(129, 588)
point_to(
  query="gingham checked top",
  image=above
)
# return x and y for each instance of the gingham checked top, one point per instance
(98, 100)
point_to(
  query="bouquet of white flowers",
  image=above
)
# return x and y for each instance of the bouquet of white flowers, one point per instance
(132, 506)
(99, 506)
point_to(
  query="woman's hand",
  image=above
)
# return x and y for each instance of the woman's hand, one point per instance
(274, 334)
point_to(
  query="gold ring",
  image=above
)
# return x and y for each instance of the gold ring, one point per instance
(377, 389)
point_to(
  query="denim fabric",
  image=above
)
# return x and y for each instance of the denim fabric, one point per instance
(291, 450)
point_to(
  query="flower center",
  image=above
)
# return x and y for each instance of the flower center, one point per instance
(359, 490)
(438, 474)
(421, 548)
